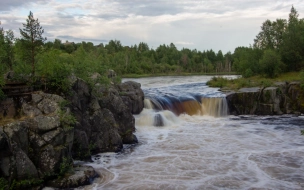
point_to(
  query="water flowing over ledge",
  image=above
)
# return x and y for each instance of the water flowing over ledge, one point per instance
(163, 104)
(193, 148)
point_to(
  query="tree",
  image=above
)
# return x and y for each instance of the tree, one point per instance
(143, 47)
(271, 36)
(32, 40)
(292, 50)
(246, 60)
(9, 48)
(6, 48)
(57, 44)
(2, 49)
(271, 64)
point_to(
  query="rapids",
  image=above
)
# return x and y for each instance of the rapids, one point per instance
(187, 140)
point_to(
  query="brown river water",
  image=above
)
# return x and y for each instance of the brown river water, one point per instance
(188, 140)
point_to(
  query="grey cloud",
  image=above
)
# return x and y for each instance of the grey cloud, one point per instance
(280, 7)
(109, 16)
(149, 8)
(75, 39)
(6, 5)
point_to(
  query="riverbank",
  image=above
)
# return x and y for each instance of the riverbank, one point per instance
(263, 96)
(175, 74)
(255, 81)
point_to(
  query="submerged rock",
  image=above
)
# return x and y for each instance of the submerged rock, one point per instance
(80, 176)
(158, 121)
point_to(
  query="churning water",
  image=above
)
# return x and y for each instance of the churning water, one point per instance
(187, 141)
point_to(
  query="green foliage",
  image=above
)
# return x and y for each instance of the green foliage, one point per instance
(218, 82)
(31, 40)
(246, 61)
(286, 38)
(3, 184)
(302, 132)
(271, 36)
(25, 184)
(292, 49)
(271, 64)
(248, 73)
(235, 84)
(53, 62)
(65, 166)
(53, 71)
(265, 83)
(67, 120)
(6, 49)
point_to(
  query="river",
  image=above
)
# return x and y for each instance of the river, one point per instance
(195, 144)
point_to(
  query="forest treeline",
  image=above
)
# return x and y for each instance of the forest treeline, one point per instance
(279, 47)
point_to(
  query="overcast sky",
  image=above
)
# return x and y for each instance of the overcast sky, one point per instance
(201, 24)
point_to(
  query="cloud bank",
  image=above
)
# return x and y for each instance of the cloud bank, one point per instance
(195, 24)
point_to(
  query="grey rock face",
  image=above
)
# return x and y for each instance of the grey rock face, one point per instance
(82, 175)
(104, 117)
(30, 111)
(111, 100)
(283, 98)
(132, 95)
(35, 146)
(45, 123)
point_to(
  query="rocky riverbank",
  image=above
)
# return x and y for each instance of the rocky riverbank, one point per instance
(41, 135)
(282, 98)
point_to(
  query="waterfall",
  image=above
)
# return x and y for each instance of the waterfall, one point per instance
(216, 107)
(164, 104)
(212, 106)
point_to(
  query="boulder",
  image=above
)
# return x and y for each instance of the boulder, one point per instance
(14, 161)
(132, 95)
(81, 175)
(44, 124)
(30, 111)
(109, 98)
(105, 132)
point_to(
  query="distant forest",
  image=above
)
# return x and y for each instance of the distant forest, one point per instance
(277, 48)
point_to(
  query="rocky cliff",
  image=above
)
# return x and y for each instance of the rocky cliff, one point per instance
(283, 98)
(41, 134)
(35, 145)
(104, 115)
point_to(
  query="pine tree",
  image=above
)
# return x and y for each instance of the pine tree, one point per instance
(32, 40)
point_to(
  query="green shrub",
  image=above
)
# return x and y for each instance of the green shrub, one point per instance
(3, 184)
(25, 184)
(218, 82)
(65, 166)
(265, 83)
